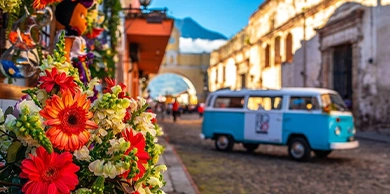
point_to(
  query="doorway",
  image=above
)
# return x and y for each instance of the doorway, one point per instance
(342, 72)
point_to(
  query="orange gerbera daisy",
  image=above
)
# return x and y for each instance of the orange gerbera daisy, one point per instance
(49, 173)
(68, 119)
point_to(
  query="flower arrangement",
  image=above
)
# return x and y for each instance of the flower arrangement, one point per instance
(58, 139)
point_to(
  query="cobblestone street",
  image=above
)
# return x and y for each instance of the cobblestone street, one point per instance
(365, 170)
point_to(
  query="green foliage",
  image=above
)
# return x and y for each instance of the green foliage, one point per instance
(112, 9)
(59, 52)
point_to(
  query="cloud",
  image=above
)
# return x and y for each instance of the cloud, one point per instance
(189, 45)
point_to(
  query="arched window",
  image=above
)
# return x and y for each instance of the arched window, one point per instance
(267, 56)
(277, 51)
(289, 43)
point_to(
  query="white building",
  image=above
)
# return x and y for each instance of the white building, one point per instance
(337, 44)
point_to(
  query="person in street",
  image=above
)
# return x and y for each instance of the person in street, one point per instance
(160, 110)
(201, 110)
(175, 110)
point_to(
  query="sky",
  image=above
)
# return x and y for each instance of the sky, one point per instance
(224, 16)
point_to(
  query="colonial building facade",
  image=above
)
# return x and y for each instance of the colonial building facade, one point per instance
(337, 44)
(192, 67)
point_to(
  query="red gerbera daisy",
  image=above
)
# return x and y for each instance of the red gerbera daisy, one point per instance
(136, 141)
(49, 173)
(40, 4)
(54, 79)
(68, 119)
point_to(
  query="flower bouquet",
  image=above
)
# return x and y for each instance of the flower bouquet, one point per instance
(59, 138)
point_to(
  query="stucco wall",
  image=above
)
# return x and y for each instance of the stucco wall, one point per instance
(193, 59)
(293, 73)
(382, 105)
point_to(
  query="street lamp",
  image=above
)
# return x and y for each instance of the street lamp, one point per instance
(144, 3)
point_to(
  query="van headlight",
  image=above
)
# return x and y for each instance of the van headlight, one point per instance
(352, 130)
(337, 130)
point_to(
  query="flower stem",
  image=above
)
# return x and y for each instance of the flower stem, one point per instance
(2, 183)
(4, 133)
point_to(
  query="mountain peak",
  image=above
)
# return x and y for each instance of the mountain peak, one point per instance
(189, 28)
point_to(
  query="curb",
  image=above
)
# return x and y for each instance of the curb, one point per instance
(183, 166)
(372, 139)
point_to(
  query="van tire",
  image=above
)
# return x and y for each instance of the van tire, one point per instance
(224, 143)
(299, 149)
(322, 153)
(250, 147)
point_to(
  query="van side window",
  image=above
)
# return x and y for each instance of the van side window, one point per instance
(265, 103)
(303, 103)
(229, 102)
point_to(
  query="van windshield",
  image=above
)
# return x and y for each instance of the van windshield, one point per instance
(334, 101)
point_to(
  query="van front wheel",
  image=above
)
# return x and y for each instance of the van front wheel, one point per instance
(224, 143)
(299, 149)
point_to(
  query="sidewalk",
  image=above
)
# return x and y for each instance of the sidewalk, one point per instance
(178, 180)
(373, 136)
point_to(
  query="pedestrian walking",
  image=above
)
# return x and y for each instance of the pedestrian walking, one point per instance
(175, 110)
(201, 110)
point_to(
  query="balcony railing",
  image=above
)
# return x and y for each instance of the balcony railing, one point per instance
(151, 15)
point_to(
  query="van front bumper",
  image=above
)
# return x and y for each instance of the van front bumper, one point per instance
(344, 145)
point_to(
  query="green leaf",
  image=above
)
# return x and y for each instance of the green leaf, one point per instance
(12, 151)
(8, 111)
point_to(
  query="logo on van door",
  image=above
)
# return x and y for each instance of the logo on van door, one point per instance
(262, 123)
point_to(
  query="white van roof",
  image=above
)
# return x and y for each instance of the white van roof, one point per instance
(282, 91)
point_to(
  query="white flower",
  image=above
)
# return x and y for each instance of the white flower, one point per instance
(141, 101)
(102, 132)
(133, 105)
(160, 168)
(10, 121)
(155, 182)
(42, 96)
(1, 115)
(139, 188)
(30, 105)
(96, 167)
(82, 154)
(121, 167)
(94, 82)
(109, 170)
(118, 145)
(144, 123)
(116, 89)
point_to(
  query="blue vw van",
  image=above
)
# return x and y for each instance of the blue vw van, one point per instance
(304, 119)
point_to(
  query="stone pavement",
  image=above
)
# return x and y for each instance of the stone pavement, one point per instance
(178, 180)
